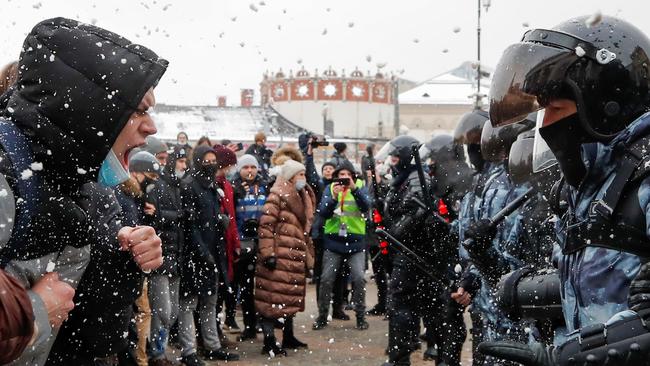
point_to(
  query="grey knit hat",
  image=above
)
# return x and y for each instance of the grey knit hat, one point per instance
(154, 145)
(247, 159)
(144, 162)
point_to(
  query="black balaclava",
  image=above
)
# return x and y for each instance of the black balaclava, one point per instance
(565, 138)
(475, 156)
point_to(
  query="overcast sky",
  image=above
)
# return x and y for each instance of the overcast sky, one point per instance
(217, 47)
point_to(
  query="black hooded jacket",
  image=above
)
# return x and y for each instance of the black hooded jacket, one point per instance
(205, 246)
(168, 221)
(77, 87)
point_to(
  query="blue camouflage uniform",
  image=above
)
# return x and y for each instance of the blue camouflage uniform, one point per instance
(497, 192)
(596, 280)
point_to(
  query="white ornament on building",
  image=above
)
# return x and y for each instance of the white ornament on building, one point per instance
(329, 89)
(303, 91)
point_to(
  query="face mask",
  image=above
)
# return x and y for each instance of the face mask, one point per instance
(301, 184)
(564, 138)
(209, 170)
(179, 173)
(475, 156)
(112, 172)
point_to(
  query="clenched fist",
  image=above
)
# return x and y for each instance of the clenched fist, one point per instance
(57, 297)
(144, 245)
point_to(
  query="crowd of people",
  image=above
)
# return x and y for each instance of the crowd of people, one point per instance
(532, 216)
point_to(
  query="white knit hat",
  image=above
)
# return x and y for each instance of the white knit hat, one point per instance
(290, 168)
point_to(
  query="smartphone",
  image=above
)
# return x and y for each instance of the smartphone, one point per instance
(342, 181)
(240, 146)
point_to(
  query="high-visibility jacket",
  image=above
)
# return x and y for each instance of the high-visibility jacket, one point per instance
(347, 213)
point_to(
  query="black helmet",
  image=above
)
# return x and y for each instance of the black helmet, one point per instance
(602, 67)
(400, 147)
(442, 147)
(496, 141)
(469, 127)
(521, 167)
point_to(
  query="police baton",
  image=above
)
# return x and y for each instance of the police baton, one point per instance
(513, 206)
(415, 259)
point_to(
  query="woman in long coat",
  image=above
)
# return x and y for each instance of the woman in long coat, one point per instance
(285, 255)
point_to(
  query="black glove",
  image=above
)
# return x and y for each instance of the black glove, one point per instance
(470, 282)
(536, 354)
(271, 263)
(409, 201)
(639, 297)
(482, 231)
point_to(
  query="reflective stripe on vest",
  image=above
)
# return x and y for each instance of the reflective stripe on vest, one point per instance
(350, 215)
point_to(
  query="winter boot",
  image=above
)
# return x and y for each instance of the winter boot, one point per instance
(338, 313)
(320, 323)
(192, 360)
(289, 341)
(362, 324)
(247, 334)
(270, 343)
(431, 354)
(377, 310)
(231, 325)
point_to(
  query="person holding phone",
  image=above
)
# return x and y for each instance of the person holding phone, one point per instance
(343, 207)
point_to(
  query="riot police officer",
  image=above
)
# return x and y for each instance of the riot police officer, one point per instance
(468, 133)
(592, 80)
(411, 291)
(451, 180)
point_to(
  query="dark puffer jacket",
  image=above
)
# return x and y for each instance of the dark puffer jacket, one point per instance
(78, 85)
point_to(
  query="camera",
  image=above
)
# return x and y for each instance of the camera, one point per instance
(318, 141)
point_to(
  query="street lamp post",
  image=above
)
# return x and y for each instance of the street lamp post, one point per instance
(478, 102)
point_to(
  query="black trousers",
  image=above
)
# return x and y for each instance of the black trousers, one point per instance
(380, 274)
(414, 296)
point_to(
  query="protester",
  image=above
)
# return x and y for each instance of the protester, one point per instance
(327, 170)
(182, 142)
(143, 169)
(343, 207)
(164, 282)
(203, 141)
(285, 255)
(158, 149)
(226, 159)
(203, 260)
(250, 192)
(65, 205)
(338, 157)
(261, 152)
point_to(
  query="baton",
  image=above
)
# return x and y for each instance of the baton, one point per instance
(506, 211)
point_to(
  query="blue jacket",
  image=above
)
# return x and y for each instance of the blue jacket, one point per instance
(248, 203)
(595, 280)
(352, 243)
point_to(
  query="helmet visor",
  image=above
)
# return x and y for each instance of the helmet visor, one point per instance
(520, 160)
(425, 152)
(543, 157)
(385, 151)
(527, 77)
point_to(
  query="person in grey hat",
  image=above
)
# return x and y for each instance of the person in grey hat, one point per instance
(158, 148)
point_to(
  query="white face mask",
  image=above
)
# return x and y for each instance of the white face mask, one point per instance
(300, 184)
(179, 173)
